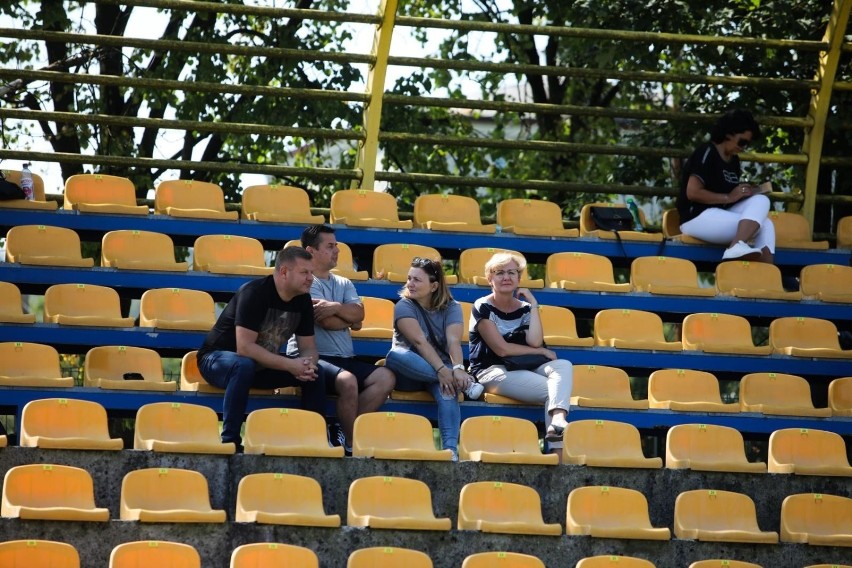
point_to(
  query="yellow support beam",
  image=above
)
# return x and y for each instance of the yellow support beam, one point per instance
(368, 150)
(821, 102)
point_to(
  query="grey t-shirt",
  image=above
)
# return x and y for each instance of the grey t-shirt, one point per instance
(439, 319)
(332, 343)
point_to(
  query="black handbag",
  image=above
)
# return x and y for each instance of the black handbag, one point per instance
(612, 218)
(9, 190)
(528, 362)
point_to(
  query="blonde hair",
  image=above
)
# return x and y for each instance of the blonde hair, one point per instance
(441, 297)
(501, 259)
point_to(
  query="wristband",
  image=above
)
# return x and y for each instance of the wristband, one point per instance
(438, 370)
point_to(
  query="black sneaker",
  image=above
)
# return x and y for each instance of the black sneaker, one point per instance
(336, 438)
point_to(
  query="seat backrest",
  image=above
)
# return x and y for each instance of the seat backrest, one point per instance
(804, 333)
(815, 513)
(388, 557)
(124, 247)
(818, 280)
(38, 554)
(504, 559)
(59, 243)
(48, 485)
(179, 308)
(806, 447)
(790, 227)
(362, 204)
(14, 176)
(703, 329)
(683, 385)
(532, 213)
(389, 497)
(610, 561)
(378, 318)
(745, 275)
(446, 209)
(630, 325)
(597, 505)
(601, 381)
(840, 396)
(472, 263)
(580, 267)
(497, 501)
(775, 389)
(11, 306)
(284, 427)
(279, 493)
(704, 443)
(844, 232)
(346, 264)
(667, 271)
(273, 554)
(81, 300)
(711, 509)
(391, 431)
(188, 194)
(154, 553)
(20, 359)
(497, 434)
(724, 563)
(466, 308)
(63, 418)
(602, 438)
(95, 189)
(112, 362)
(227, 250)
(392, 261)
(175, 422)
(164, 489)
(274, 198)
(671, 223)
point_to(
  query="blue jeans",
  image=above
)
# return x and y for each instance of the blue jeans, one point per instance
(414, 373)
(237, 375)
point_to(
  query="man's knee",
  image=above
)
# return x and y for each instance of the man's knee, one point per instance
(346, 384)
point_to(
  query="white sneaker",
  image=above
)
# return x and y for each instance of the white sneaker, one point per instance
(739, 250)
(474, 391)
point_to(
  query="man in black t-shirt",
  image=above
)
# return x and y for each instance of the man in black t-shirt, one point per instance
(242, 351)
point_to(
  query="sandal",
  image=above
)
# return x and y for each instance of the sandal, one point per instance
(554, 433)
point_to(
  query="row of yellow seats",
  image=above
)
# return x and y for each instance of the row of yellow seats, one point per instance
(189, 428)
(398, 503)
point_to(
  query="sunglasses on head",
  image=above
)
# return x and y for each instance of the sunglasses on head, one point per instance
(427, 264)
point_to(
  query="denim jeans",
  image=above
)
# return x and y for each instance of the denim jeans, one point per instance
(238, 374)
(414, 373)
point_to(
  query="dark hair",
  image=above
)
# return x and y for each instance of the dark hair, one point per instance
(289, 254)
(441, 297)
(311, 235)
(733, 122)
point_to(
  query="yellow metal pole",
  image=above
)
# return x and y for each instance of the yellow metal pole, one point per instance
(368, 149)
(821, 101)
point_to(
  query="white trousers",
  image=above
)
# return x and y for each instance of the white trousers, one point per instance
(719, 226)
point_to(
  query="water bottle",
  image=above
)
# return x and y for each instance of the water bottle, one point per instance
(27, 182)
(634, 211)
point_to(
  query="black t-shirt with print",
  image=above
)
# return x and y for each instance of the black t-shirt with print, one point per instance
(512, 326)
(717, 175)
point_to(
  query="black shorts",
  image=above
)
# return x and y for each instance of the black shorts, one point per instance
(333, 366)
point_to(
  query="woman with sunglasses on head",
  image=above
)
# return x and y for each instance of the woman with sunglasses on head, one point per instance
(506, 324)
(715, 205)
(426, 351)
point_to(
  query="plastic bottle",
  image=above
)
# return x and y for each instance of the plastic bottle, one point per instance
(27, 182)
(634, 211)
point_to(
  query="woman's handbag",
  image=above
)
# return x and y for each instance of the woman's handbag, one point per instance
(528, 362)
(612, 218)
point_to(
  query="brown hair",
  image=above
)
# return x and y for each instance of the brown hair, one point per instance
(441, 297)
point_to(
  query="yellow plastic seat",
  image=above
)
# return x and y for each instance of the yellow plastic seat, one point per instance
(450, 213)
(192, 381)
(191, 199)
(366, 208)
(610, 561)
(792, 230)
(154, 553)
(534, 217)
(806, 337)
(687, 390)
(278, 204)
(177, 308)
(105, 367)
(84, 305)
(140, 250)
(599, 386)
(51, 493)
(38, 554)
(605, 443)
(582, 271)
(708, 447)
(230, 254)
(720, 333)
(844, 232)
(179, 427)
(588, 228)
(392, 503)
(282, 499)
(632, 329)
(803, 451)
(164, 495)
(288, 432)
(378, 319)
(723, 563)
(818, 519)
(466, 307)
(346, 265)
(827, 283)
(671, 229)
(744, 279)
(43, 245)
(506, 508)
(472, 267)
(419, 396)
(11, 307)
(101, 193)
(667, 275)
(260, 554)
(711, 515)
(388, 557)
(38, 201)
(778, 393)
(395, 436)
(611, 512)
(61, 423)
(501, 439)
(31, 365)
(560, 327)
(502, 559)
(840, 396)
(391, 262)
(4, 441)
(829, 566)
